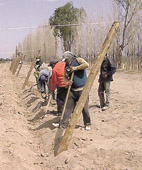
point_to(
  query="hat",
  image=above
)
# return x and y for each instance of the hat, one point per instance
(37, 66)
(38, 60)
(54, 61)
(67, 54)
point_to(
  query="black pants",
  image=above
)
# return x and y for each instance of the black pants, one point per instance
(61, 96)
(72, 101)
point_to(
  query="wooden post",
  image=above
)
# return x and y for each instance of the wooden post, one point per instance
(30, 70)
(14, 60)
(85, 93)
(23, 58)
(15, 66)
(12, 63)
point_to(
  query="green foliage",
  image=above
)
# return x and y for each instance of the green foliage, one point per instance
(65, 15)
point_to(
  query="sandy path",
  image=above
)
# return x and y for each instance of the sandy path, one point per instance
(27, 137)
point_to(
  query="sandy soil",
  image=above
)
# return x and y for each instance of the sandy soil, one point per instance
(27, 137)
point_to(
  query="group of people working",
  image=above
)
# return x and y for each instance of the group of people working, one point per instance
(57, 75)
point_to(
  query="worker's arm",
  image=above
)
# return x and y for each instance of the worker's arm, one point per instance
(53, 80)
(82, 64)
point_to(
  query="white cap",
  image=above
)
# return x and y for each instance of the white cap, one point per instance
(67, 54)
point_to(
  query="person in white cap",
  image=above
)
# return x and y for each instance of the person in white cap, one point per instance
(77, 65)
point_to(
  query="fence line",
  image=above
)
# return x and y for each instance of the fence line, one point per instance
(61, 25)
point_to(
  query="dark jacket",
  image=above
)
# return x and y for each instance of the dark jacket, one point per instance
(106, 71)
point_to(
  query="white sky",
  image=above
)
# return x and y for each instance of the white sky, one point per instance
(28, 13)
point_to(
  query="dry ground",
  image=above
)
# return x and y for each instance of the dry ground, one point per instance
(27, 137)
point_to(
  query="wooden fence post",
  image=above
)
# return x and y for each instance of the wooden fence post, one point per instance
(23, 58)
(64, 143)
(12, 62)
(30, 70)
(15, 66)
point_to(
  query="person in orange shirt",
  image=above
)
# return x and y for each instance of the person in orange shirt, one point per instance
(58, 82)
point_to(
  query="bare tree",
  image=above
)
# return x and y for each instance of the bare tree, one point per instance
(127, 10)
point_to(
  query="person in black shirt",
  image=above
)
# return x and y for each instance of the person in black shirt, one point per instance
(106, 76)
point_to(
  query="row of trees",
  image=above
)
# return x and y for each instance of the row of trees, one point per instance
(129, 12)
(70, 29)
(2, 60)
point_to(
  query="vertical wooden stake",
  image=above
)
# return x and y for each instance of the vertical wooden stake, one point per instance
(23, 58)
(30, 70)
(85, 93)
(12, 62)
(16, 64)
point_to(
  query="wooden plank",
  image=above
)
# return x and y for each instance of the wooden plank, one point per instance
(16, 64)
(85, 93)
(30, 70)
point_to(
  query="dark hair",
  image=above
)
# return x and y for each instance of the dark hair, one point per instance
(52, 62)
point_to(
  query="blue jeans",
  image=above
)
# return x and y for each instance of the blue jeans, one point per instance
(61, 96)
(43, 81)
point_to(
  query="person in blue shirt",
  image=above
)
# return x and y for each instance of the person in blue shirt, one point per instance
(77, 65)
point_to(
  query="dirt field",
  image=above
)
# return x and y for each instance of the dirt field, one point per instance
(27, 137)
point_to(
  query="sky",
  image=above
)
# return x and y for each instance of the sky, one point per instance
(18, 16)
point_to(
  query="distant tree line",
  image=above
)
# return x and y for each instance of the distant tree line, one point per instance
(71, 29)
(3, 60)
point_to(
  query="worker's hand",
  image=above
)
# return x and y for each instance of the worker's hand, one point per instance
(51, 93)
(105, 76)
(73, 69)
(69, 83)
